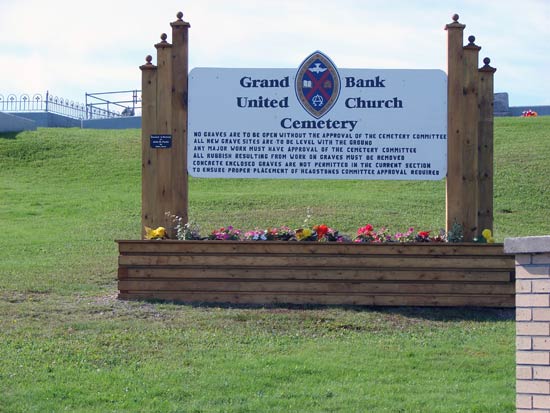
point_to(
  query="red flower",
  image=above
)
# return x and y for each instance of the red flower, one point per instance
(366, 230)
(321, 230)
(424, 234)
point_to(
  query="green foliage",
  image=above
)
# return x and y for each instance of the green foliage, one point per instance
(68, 344)
(456, 233)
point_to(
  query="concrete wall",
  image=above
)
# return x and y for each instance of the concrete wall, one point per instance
(129, 122)
(50, 120)
(502, 107)
(532, 322)
(518, 110)
(12, 123)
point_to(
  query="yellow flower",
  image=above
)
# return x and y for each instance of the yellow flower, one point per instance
(158, 233)
(302, 234)
(488, 235)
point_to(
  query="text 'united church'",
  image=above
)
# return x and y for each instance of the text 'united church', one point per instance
(349, 82)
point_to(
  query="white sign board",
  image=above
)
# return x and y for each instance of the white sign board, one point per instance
(317, 122)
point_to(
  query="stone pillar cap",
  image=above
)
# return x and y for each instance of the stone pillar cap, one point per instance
(527, 245)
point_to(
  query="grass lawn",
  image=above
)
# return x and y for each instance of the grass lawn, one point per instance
(67, 343)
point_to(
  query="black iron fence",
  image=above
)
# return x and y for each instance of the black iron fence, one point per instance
(97, 106)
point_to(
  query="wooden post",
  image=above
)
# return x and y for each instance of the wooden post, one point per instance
(469, 136)
(163, 158)
(469, 147)
(455, 189)
(164, 170)
(486, 173)
(148, 127)
(180, 69)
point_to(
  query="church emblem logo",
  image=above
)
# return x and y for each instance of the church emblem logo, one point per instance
(317, 84)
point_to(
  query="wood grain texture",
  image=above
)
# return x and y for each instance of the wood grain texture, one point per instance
(486, 147)
(180, 69)
(469, 144)
(164, 171)
(148, 127)
(455, 204)
(317, 273)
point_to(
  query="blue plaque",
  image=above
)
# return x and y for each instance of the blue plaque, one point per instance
(161, 141)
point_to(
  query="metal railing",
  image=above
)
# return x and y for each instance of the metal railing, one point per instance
(123, 103)
(39, 103)
(95, 107)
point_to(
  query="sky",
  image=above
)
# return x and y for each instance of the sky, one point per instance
(72, 47)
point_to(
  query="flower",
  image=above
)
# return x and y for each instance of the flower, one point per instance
(366, 228)
(321, 230)
(318, 233)
(422, 236)
(305, 234)
(488, 236)
(223, 233)
(158, 233)
(529, 113)
(382, 235)
(441, 237)
(332, 235)
(189, 231)
(256, 235)
(405, 237)
(280, 234)
(365, 234)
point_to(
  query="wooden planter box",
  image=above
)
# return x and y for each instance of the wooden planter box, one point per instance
(267, 272)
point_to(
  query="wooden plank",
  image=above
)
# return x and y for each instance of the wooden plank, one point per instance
(244, 298)
(161, 194)
(317, 261)
(473, 275)
(312, 248)
(455, 124)
(506, 301)
(148, 127)
(316, 286)
(123, 272)
(327, 299)
(469, 144)
(485, 158)
(179, 67)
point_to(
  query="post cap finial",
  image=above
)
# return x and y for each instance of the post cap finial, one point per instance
(163, 43)
(455, 24)
(148, 65)
(486, 67)
(179, 23)
(471, 45)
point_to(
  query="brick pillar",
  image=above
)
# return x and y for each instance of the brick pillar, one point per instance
(532, 322)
